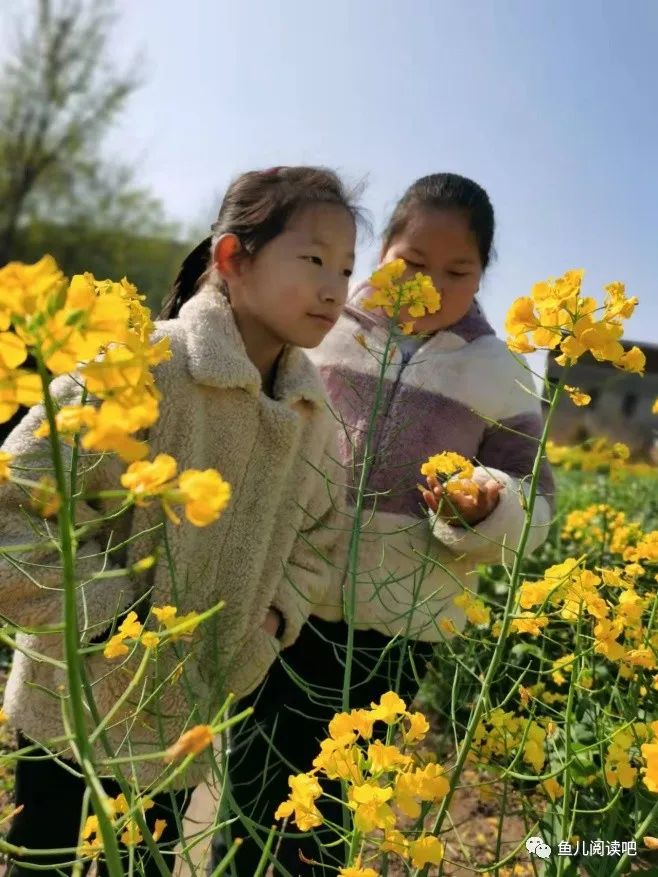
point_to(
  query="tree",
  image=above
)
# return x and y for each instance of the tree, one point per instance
(59, 95)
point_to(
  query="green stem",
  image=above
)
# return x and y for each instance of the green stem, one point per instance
(75, 703)
(564, 821)
(353, 552)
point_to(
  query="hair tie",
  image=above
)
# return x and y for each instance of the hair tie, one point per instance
(273, 170)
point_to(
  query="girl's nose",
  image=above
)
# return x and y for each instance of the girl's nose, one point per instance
(334, 292)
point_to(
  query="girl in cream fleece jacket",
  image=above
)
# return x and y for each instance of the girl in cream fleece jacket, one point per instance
(237, 394)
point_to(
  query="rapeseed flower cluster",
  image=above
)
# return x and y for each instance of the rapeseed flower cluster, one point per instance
(453, 471)
(557, 315)
(131, 631)
(627, 748)
(387, 784)
(130, 834)
(501, 733)
(413, 298)
(601, 456)
(102, 331)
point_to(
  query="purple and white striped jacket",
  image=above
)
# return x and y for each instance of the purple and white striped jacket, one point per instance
(461, 391)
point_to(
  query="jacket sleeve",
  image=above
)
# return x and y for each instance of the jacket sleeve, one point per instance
(312, 578)
(507, 453)
(31, 592)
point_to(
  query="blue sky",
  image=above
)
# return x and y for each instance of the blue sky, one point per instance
(551, 105)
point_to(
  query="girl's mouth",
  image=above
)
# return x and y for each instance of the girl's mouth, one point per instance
(327, 320)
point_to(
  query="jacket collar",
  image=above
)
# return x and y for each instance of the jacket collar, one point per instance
(472, 325)
(217, 357)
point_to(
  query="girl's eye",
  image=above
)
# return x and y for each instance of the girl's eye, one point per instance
(414, 264)
(458, 273)
(316, 260)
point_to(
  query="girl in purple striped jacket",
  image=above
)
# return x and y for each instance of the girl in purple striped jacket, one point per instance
(452, 386)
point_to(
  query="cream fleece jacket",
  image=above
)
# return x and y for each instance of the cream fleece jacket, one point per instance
(267, 548)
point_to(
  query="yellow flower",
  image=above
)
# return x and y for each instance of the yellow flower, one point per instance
(431, 782)
(395, 842)
(474, 609)
(448, 464)
(552, 788)
(529, 623)
(5, 468)
(164, 613)
(426, 850)
(565, 663)
(158, 828)
(90, 827)
(132, 834)
(130, 626)
(13, 351)
(304, 791)
(192, 742)
(654, 407)
(115, 648)
(338, 760)
(341, 728)
(418, 727)
(521, 317)
(407, 328)
(3, 716)
(389, 709)
(357, 871)
(650, 770)
(577, 396)
(416, 296)
(177, 626)
(384, 757)
(520, 344)
(92, 846)
(406, 795)
(144, 564)
(205, 495)
(556, 314)
(150, 640)
(633, 361)
(25, 289)
(371, 810)
(362, 722)
(111, 428)
(146, 479)
(388, 274)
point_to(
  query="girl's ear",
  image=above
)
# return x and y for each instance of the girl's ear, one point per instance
(226, 256)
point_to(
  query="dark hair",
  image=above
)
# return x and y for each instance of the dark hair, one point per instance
(256, 208)
(448, 192)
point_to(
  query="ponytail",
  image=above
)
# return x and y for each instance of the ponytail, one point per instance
(194, 266)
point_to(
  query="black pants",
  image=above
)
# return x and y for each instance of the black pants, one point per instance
(52, 806)
(282, 736)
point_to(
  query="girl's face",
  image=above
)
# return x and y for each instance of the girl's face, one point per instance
(439, 243)
(293, 290)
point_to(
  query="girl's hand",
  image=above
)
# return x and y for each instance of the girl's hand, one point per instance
(272, 621)
(461, 507)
